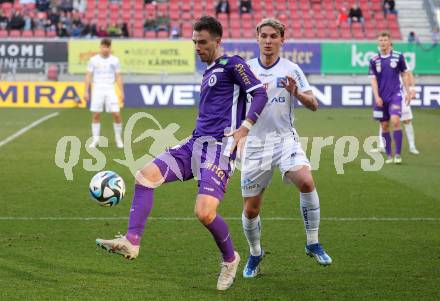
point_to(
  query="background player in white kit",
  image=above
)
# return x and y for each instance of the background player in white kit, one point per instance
(104, 70)
(273, 142)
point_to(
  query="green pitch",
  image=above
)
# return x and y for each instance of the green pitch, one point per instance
(47, 248)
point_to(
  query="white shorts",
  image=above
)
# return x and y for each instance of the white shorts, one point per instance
(406, 112)
(259, 163)
(104, 97)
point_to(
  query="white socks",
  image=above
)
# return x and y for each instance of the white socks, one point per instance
(96, 128)
(309, 206)
(409, 130)
(252, 231)
(118, 131)
(381, 140)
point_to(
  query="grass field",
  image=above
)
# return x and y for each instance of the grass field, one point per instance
(381, 228)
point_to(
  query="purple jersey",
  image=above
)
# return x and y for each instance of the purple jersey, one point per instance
(223, 96)
(387, 71)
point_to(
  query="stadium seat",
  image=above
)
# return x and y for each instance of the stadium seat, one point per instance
(151, 34)
(15, 33)
(39, 33)
(27, 34)
(3, 33)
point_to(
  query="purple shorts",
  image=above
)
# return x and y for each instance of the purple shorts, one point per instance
(202, 159)
(391, 106)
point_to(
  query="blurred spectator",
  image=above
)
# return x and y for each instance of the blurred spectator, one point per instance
(3, 20)
(42, 5)
(222, 7)
(113, 30)
(436, 34)
(66, 5)
(355, 15)
(149, 2)
(149, 25)
(6, 1)
(101, 32)
(27, 1)
(342, 16)
(16, 21)
(65, 24)
(412, 39)
(28, 22)
(175, 32)
(54, 19)
(389, 7)
(245, 6)
(41, 22)
(162, 22)
(79, 5)
(76, 31)
(124, 30)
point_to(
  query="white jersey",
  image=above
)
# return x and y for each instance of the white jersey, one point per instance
(104, 70)
(276, 120)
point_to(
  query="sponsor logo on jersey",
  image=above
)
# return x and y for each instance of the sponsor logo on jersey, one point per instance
(240, 69)
(217, 171)
(280, 99)
(223, 61)
(279, 79)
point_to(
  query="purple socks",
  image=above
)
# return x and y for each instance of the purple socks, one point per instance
(387, 137)
(139, 212)
(220, 232)
(397, 135)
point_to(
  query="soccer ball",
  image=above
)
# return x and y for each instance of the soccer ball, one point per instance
(107, 188)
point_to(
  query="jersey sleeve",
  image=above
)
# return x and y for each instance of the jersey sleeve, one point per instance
(90, 66)
(371, 69)
(301, 81)
(243, 75)
(402, 64)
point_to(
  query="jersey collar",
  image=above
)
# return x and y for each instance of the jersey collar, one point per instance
(215, 62)
(269, 67)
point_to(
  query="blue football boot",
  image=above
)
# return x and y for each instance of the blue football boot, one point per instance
(316, 250)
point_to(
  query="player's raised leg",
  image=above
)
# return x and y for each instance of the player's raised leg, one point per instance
(147, 179)
(301, 176)
(252, 230)
(206, 211)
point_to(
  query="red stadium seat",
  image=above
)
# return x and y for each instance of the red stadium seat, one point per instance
(138, 33)
(27, 34)
(51, 34)
(3, 33)
(15, 33)
(39, 33)
(150, 34)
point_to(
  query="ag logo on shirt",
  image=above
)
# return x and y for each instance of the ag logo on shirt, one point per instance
(212, 80)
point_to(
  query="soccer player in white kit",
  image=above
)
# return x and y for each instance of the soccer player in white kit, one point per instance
(104, 70)
(273, 142)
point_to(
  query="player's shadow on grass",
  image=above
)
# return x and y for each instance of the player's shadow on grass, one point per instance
(40, 264)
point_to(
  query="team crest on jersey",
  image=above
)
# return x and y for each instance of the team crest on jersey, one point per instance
(212, 80)
(393, 64)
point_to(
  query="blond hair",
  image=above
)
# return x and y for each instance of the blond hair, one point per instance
(274, 23)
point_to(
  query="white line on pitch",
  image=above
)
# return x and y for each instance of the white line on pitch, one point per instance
(27, 128)
(335, 219)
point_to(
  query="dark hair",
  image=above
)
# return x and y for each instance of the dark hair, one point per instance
(107, 42)
(210, 24)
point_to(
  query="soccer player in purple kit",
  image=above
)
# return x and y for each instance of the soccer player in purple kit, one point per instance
(208, 155)
(385, 71)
